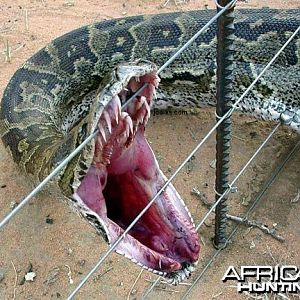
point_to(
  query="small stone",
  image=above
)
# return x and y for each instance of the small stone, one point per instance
(13, 205)
(81, 262)
(69, 3)
(121, 283)
(297, 197)
(1, 276)
(213, 163)
(30, 276)
(234, 189)
(49, 220)
(133, 291)
(246, 199)
(23, 273)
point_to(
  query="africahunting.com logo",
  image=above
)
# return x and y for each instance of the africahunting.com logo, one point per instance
(265, 279)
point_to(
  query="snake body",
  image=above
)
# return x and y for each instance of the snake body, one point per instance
(56, 78)
(46, 108)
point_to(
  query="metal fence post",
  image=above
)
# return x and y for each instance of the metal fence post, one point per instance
(224, 78)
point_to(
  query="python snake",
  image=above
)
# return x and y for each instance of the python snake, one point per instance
(78, 82)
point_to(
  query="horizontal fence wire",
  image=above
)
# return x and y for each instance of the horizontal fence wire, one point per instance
(234, 106)
(59, 168)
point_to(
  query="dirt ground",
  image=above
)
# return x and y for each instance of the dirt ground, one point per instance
(46, 237)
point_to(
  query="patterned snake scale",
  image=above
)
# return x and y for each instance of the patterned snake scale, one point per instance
(43, 117)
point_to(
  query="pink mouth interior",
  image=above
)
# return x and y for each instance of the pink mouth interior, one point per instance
(124, 177)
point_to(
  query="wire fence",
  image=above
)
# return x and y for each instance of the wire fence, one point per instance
(56, 171)
(221, 11)
(256, 200)
(201, 143)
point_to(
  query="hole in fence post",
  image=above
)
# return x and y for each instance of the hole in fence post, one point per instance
(224, 78)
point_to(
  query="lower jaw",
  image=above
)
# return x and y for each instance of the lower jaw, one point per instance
(129, 247)
(134, 244)
(173, 271)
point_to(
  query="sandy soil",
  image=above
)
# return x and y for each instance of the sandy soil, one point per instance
(49, 239)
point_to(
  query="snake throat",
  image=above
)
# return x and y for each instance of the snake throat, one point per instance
(124, 176)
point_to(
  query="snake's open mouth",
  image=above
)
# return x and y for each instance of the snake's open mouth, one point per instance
(124, 176)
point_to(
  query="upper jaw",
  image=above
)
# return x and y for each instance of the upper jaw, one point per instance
(169, 202)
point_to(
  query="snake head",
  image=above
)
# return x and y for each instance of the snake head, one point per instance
(121, 176)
